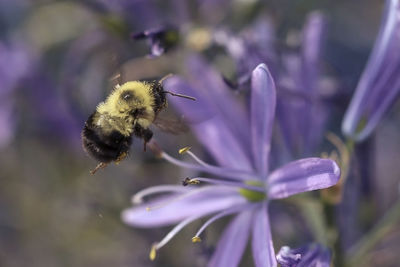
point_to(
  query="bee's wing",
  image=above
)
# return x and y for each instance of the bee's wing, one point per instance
(171, 125)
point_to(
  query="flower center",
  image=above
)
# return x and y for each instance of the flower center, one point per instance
(251, 195)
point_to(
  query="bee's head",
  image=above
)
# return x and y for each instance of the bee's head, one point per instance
(132, 103)
(130, 99)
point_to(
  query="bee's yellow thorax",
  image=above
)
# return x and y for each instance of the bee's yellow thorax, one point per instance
(116, 107)
(115, 112)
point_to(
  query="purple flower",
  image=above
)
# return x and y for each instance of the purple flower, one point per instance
(301, 111)
(7, 125)
(252, 46)
(240, 144)
(50, 110)
(379, 85)
(142, 13)
(15, 64)
(302, 90)
(313, 255)
(160, 39)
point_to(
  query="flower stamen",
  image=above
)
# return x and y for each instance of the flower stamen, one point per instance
(227, 212)
(178, 198)
(139, 196)
(170, 235)
(186, 150)
(223, 172)
(246, 186)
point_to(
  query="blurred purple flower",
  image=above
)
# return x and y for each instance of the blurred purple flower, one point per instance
(12, 11)
(254, 45)
(379, 85)
(15, 62)
(7, 124)
(160, 39)
(142, 13)
(302, 109)
(313, 255)
(48, 109)
(245, 186)
(302, 113)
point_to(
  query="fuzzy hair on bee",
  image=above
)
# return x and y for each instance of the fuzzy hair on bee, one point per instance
(128, 111)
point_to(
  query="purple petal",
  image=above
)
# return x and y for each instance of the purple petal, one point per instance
(7, 123)
(211, 130)
(210, 85)
(302, 123)
(233, 242)
(263, 249)
(295, 101)
(253, 46)
(194, 111)
(220, 142)
(263, 100)
(300, 111)
(160, 39)
(16, 62)
(302, 176)
(317, 256)
(210, 199)
(260, 46)
(287, 257)
(315, 112)
(307, 256)
(313, 37)
(379, 85)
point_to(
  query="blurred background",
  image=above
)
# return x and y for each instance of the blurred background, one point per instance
(56, 61)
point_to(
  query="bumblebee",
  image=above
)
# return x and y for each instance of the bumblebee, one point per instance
(128, 111)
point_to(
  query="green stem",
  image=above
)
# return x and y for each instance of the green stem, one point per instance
(350, 145)
(357, 254)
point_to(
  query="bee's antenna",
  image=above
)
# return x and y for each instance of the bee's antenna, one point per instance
(116, 79)
(180, 95)
(174, 94)
(165, 77)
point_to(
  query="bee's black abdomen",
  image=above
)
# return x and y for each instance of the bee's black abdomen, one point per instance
(104, 147)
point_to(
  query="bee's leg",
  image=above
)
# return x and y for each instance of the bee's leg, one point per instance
(144, 133)
(147, 135)
(99, 166)
(121, 157)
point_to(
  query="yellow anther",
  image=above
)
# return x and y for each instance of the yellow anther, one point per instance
(188, 181)
(194, 181)
(196, 239)
(153, 252)
(148, 208)
(184, 150)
